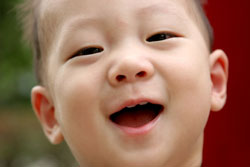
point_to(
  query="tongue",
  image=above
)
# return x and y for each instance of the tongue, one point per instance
(134, 117)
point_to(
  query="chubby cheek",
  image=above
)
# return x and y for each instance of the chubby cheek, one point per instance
(76, 104)
(189, 89)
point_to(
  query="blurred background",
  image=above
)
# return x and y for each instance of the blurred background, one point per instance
(227, 135)
(22, 142)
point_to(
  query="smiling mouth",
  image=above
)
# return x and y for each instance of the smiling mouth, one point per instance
(136, 116)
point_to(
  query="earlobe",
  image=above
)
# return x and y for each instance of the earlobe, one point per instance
(45, 112)
(219, 78)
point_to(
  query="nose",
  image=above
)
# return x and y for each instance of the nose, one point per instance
(130, 69)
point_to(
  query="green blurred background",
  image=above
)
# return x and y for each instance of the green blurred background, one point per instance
(22, 142)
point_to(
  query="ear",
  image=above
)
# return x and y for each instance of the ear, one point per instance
(219, 77)
(45, 112)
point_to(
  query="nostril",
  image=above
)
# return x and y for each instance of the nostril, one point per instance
(120, 77)
(141, 74)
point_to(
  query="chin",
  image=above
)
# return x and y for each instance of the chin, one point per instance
(144, 158)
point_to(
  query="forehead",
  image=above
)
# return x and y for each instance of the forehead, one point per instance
(57, 14)
(56, 5)
(58, 10)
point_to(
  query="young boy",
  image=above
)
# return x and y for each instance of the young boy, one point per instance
(126, 83)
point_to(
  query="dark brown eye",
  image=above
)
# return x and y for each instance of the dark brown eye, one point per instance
(88, 51)
(160, 37)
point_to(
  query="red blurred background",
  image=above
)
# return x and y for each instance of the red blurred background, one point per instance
(227, 135)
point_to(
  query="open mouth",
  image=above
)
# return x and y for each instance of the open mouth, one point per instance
(136, 116)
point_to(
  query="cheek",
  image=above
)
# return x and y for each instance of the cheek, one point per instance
(75, 90)
(188, 85)
(192, 97)
(76, 102)
(186, 74)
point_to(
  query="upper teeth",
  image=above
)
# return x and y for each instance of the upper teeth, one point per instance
(142, 103)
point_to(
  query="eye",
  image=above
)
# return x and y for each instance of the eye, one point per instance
(88, 51)
(160, 37)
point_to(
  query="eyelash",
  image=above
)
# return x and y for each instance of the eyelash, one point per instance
(94, 50)
(88, 51)
(160, 37)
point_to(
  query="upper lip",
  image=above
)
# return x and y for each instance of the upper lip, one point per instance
(134, 102)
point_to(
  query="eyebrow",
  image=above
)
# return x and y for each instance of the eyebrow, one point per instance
(74, 24)
(167, 8)
(81, 22)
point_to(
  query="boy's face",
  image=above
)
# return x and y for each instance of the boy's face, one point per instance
(109, 54)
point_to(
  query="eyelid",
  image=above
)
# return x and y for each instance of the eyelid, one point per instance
(77, 53)
(170, 34)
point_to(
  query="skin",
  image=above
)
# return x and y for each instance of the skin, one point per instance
(82, 91)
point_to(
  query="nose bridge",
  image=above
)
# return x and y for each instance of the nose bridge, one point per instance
(129, 65)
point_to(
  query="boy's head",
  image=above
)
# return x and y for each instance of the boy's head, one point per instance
(127, 83)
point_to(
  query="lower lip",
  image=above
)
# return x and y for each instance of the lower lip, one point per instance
(142, 130)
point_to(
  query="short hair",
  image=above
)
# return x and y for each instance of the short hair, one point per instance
(209, 34)
(29, 14)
